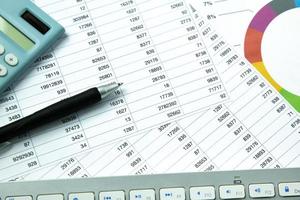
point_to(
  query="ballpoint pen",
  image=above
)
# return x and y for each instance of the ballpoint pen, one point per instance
(4, 146)
(54, 112)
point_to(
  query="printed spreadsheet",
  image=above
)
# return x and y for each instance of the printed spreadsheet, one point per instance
(166, 71)
(257, 129)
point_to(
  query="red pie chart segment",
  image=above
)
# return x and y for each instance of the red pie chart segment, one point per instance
(253, 41)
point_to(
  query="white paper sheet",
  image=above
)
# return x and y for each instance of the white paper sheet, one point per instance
(275, 50)
(230, 17)
(258, 129)
(147, 45)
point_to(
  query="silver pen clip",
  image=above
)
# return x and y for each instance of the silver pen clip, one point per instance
(4, 146)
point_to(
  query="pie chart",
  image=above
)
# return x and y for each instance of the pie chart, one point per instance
(254, 46)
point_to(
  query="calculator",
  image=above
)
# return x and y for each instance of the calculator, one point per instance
(249, 184)
(26, 32)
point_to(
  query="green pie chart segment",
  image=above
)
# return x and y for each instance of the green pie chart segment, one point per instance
(295, 101)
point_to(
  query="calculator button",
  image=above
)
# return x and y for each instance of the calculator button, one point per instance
(142, 195)
(113, 195)
(11, 59)
(172, 194)
(19, 198)
(232, 192)
(205, 192)
(2, 49)
(51, 197)
(3, 71)
(289, 189)
(82, 196)
(261, 190)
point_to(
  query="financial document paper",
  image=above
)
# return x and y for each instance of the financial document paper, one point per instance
(230, 17)
(257, 129)
(150, 46)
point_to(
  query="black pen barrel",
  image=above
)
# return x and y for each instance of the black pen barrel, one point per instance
(50, 113)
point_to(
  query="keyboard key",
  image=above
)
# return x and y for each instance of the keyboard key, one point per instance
(142, 194)
(232, 192)
(289, 189)
(172, 194)
(113, 195)
(11, 59)
(201, 193)
(20, 198)
(261, 190)
(82, 196)
(2, 49)
(3, 71)
(51, 197)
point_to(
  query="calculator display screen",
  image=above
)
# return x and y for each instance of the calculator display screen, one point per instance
(17, 36)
